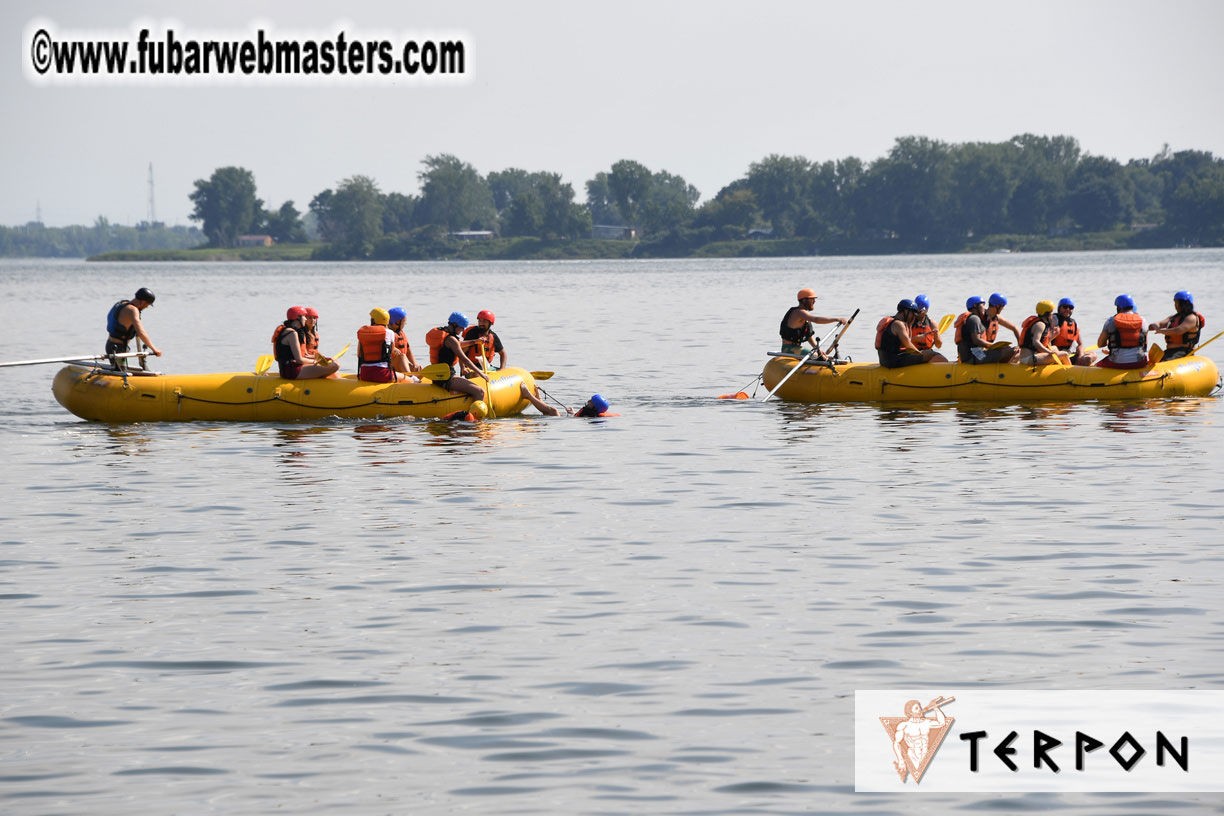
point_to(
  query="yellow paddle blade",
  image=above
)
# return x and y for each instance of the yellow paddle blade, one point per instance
(342, 352)
(542, 375)
(945, 322)
(437, 371)
(264, 362)
(999, 344)
(1155, 354)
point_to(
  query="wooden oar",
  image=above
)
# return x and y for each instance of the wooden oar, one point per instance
(79, 359)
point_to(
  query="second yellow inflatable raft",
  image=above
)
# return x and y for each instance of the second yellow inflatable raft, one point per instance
(870, 382)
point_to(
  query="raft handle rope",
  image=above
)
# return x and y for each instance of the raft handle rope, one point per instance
(278, 398)
(1163, 376)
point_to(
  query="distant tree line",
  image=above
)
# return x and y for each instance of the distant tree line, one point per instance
(36, 240)
(923, 196)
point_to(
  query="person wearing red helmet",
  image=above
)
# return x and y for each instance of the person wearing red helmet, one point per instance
(287, 342)
(797, 323)
(310, 324)
(486, 342)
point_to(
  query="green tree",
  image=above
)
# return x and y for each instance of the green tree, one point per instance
(285, 225)
(524, 216)
(628, 183)
(350, 219)
(398, 213)
(454, 195)
(1196, 208)
(226, 204)
(601, 203)
(737, 208)
(781, 185)
(1101, 194)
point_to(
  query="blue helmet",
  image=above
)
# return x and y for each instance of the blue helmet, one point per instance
(973, 301)
(459, 319)
(1124, 302)
(906, 305)
(397, 314)
(1066, 302)
(1184, 295)
(997, 300)
(601, 404)
(922, 302)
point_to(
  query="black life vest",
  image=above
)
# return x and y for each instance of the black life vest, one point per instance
(793, 336)
(116, 329)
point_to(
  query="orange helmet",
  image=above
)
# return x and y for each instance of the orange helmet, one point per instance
(804, 294)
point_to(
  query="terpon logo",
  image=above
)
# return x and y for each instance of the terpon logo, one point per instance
(916, 737)
(1024, 741)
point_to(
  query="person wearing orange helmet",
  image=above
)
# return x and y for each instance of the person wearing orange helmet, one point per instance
(484, 341)
(287, 343)
(796, 327)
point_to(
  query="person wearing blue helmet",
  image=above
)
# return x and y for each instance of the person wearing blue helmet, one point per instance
(994, 318)
(893, 344)
(446, 347)
(402, 358)
(923, 332)
(1181, 329)
(1125, 335)
(971, 344)
(1067, 334)
(596, 406)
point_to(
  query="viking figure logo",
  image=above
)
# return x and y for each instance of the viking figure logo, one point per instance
(916, 737)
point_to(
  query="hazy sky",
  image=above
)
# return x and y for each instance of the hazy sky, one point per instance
(700, 89)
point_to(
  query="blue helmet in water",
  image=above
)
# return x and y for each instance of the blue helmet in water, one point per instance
(1124, 302)
(397, 314)
(922, 302)
(459, 319)
(997, 300)
(601, 404)
(1066, 302)
(972, 302)
(1184, 295)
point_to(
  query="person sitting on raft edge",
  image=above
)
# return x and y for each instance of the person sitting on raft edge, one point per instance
(1125, 336)
(596, 406)
(1037, 337)
(1182, 329)
(123, 325)
(445, 347)
(288, 340)
(487, 343)
(893, 344)
(796, 327)
(923, 332)
(1067, 334)
(971, 344)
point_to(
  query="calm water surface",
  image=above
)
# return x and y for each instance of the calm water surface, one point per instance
(667, 612)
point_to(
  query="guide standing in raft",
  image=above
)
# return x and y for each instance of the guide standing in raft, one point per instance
(123, 324)
(796, 328)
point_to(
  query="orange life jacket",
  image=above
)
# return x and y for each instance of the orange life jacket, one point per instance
(485, 345)
(435, 337)
(959, 324)
(923, 333)
(1066, 333)
(1024, 332)
(1186, 339)
(1128, 332)
(311, 346)
(881, 327)
(992, 327)
(374, 346)
(401, 341)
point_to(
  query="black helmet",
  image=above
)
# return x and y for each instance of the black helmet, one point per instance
(144, 294)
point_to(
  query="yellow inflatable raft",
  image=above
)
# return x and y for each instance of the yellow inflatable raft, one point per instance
(870, 382)
(103, 395)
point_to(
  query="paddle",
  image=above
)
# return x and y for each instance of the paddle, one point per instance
(1155, 354)
(1208, 343)
(488, 385)
(78, 359)
(840, 334)
(542, 375)
(945, 323)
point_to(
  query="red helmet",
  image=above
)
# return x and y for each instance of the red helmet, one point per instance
(311, 312)
(295, 312)
(485, 314)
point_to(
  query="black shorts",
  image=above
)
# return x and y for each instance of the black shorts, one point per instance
(899, 360)
(116, 348)
(992, 356)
